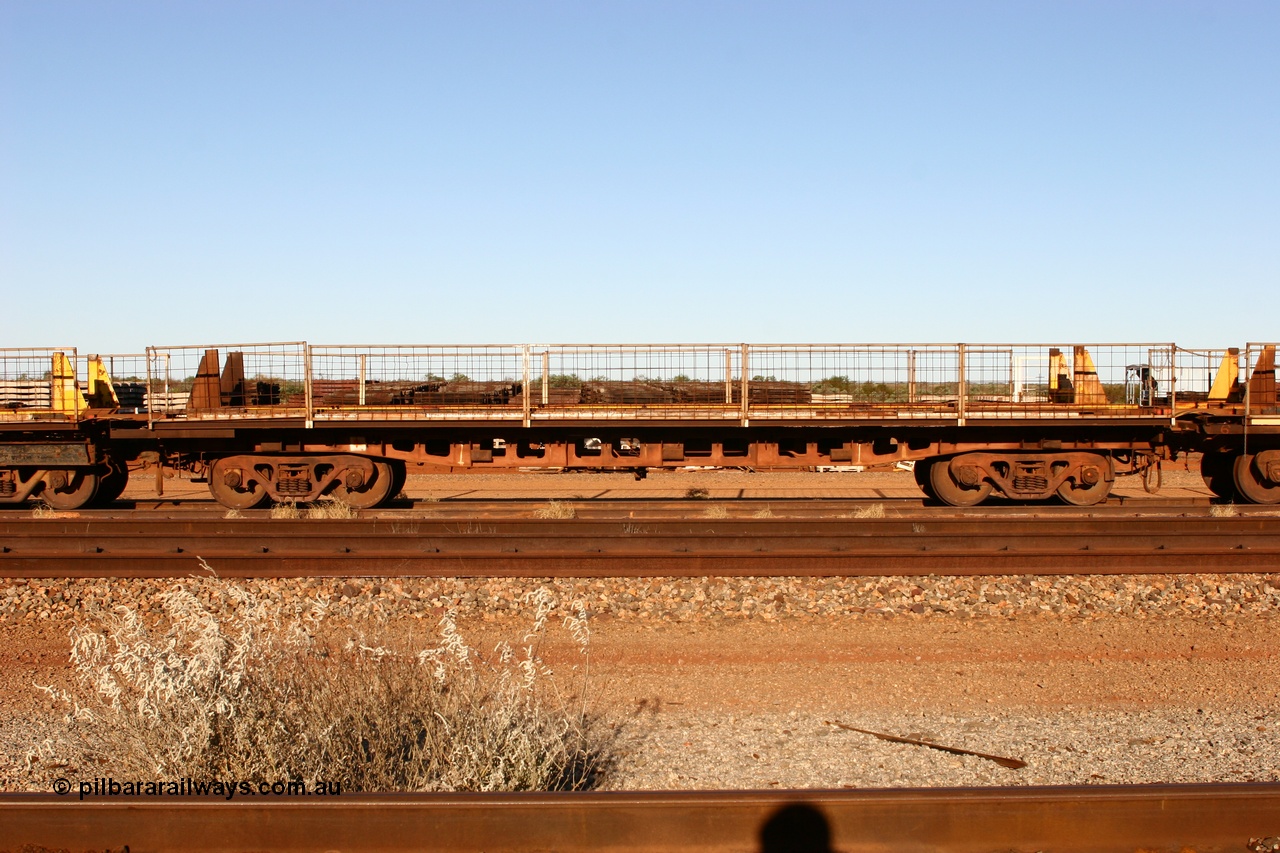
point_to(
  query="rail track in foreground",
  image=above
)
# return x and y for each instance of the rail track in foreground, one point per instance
(1121, 818)
(610, 507)
(190, 544)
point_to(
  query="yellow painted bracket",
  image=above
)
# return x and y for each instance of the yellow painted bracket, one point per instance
(1089, 390)
(1228, 377)
(1262, 379)
(1060, 390)
(102, 394)
(67, 399)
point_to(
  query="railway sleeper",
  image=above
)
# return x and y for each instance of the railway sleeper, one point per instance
(251, 480)
(1078, 478)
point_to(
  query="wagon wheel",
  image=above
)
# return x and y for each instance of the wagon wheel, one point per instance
(921, 473)
(1216, 467)
(1251, 484)
(111, 482)
(951, 491)
(1088, 494)
(401, 474)
(69, 489)
(372, 493)
(232, 488)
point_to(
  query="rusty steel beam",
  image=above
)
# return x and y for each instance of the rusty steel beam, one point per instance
(589, 504)
(1122, 818)
(654, 547)
(570, 565)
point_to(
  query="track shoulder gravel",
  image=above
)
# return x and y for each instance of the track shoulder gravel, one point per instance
(730, 683)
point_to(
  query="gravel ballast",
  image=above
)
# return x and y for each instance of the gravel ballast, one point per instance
(737, 683)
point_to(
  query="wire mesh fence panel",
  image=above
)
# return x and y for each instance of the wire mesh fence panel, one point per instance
(38, 384)
(228, 381)
(646, 382)
(417, 382)
(1068, 380)
(636, 381)
(127, 375)
(851, 381)
(1203, 377)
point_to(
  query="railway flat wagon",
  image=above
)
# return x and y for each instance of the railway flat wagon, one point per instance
(295, 421)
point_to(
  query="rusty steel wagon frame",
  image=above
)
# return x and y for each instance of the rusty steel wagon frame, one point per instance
(294, 421)
(685, 382)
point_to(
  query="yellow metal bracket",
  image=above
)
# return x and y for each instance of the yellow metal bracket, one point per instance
(1228, 378)
(102, 394)
(67, 399)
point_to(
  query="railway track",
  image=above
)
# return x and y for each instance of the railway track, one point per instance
(597, 507)
(183, 545)
(1161, 817)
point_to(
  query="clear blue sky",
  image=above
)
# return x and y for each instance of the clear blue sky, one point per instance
(420, 172)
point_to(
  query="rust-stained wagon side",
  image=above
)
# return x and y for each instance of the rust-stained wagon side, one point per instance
(293, 421)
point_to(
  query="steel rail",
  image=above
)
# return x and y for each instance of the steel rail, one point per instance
(1093, 818)
(607, 507)
(611, 547)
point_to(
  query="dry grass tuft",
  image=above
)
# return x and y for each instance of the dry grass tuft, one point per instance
(232, 513)
(555, 509)
(1223, 511)
(43, 510)
(697, 493)
(763, 513)
(715, 512)
(869, 511)
(330, 507)
(286, 510)
(257, 698)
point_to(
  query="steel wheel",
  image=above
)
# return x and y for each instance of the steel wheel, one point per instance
(1217, 469)
(1088, 494)
(951, 491)
(401, 474)
(236, 488)
(69, 489)
(921, 473)
(1250, 483)
(370, 494)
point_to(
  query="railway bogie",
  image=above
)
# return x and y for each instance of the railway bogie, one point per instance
(246, 481)
(295, 422)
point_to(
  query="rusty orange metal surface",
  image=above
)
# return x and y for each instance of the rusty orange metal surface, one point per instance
(1149, 818)
(433, 547)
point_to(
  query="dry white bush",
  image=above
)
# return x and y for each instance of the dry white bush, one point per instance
(330, 507)
(258, 697)
(555, 509)
(286, 510)
(715, 512)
